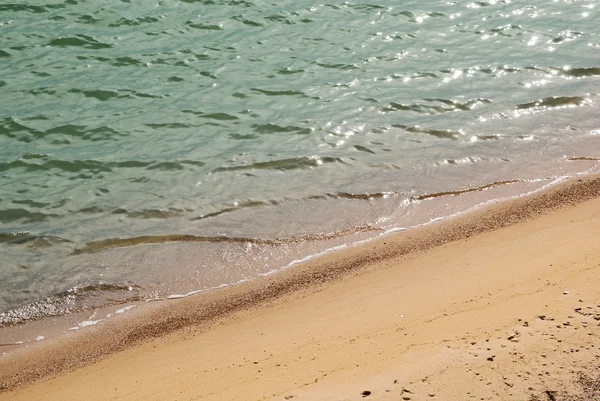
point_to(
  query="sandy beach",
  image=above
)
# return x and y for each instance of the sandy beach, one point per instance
(500, 304)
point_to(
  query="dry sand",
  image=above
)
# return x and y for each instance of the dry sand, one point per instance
(503, 304)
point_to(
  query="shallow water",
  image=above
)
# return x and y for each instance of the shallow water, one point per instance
(155, 149)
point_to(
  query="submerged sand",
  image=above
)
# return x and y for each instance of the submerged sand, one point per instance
(502, 303)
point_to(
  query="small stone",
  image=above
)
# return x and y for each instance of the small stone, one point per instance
(565, 292)
(366, 393)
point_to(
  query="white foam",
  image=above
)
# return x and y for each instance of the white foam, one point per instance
(85, 323)
(125, 309)
(178, 296)
(296, 261)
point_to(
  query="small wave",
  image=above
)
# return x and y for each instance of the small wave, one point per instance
(19, 164)
(363, 196)
(125, 61)
(361, 148)
(76, 299)
(82, 290)
(77, 166)
(367, 7)
(97, 246)
(17, 237)
(44, 90)
(289, 71)
(478, 4)
(566, 36)
(210, 27)
(579, 72)
(85, 133)
(94, 209)
(442, 134)
(87, 19)
(11, 128)
(280, 18)
(447, 106)
(134, 22)
(45, 241)
(219, 116)
(102, 95)
(279, 93)
(331, 195)
(130, 94)
(246, 21)
(294, 163)
(29, 202)
(23, 215)
(257, 204)
(30, 8)
(237, 207)
(174, 165)
(417, 19)
(465, 191)
(424, 74)
(105, 95)
(150, 213)
(274, 128)
(337, 66)
(553, 102)
(93, 166)
(508, 30)
(79, 41)
(169, 125)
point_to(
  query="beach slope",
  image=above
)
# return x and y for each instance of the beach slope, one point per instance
(508, 314)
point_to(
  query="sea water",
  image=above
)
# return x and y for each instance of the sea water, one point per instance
(155, 149)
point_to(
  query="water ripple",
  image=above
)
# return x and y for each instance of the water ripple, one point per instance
(295, 163)
(447, 106)
(442, 134)
(98, 246)
(553, 102)
(79, 41)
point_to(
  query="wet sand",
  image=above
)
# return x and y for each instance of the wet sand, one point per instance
(502, 303)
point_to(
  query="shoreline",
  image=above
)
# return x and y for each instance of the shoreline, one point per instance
(185, 263)
(205, 310)
(428, 209)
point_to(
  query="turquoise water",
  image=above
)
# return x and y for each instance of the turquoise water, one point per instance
(158, 148)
